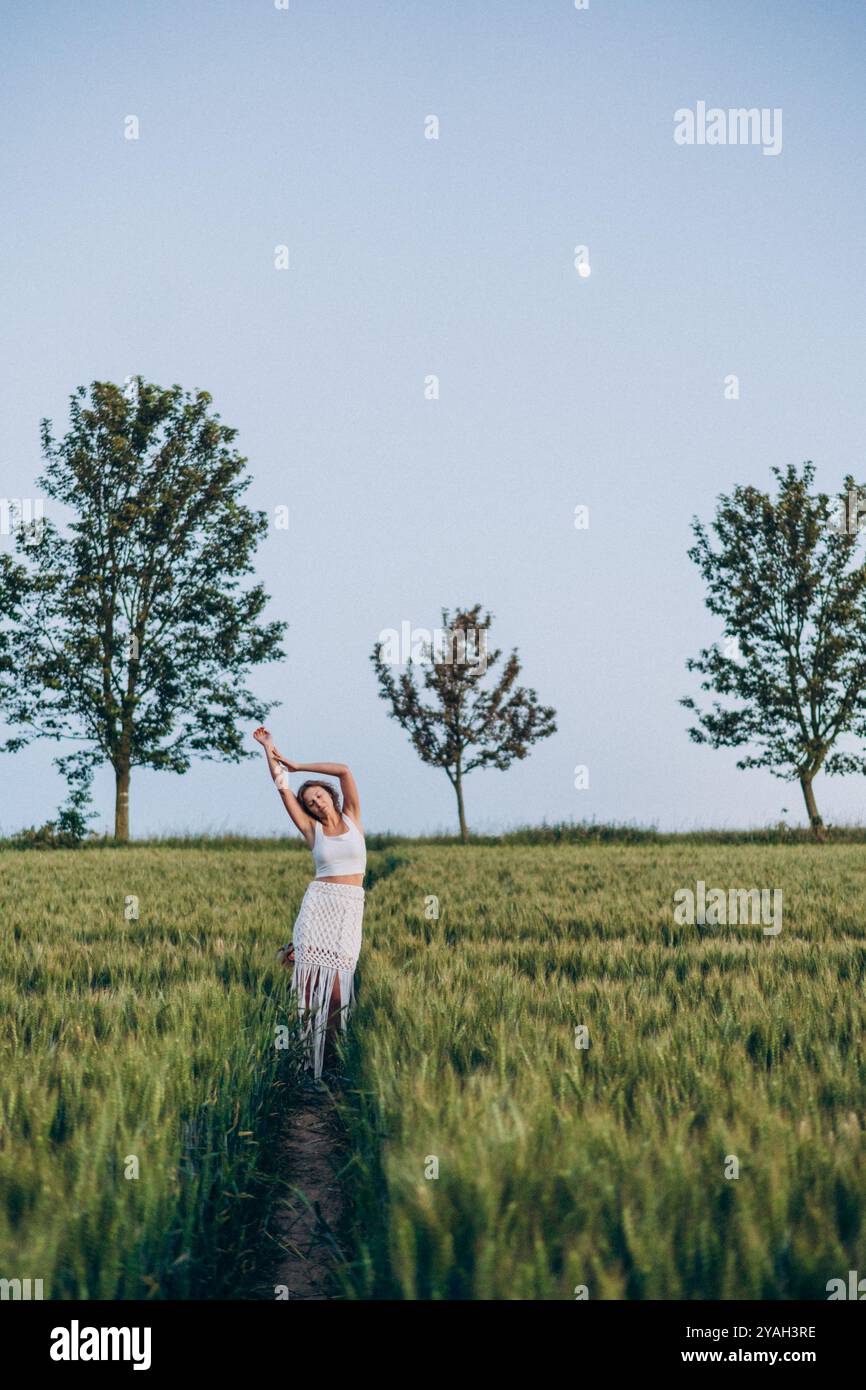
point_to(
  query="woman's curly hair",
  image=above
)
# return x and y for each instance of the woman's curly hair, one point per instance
(314, 782)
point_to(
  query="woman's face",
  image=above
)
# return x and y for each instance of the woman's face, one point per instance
(318, 802)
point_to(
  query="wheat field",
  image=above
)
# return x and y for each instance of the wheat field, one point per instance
(549, 1085)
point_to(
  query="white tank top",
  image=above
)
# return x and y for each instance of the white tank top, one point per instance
(338, 855)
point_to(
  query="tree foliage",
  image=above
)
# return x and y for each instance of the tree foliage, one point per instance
(455, 721)
(785, 579)
(130, 631)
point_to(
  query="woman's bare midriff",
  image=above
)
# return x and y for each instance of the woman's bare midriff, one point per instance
(357, 880)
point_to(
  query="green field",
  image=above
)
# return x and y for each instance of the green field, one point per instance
(557, 1166)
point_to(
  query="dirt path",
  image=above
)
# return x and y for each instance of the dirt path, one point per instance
(307, 1216)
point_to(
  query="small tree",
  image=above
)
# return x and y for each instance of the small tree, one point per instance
(786, 583)
(465, 726)
(131, 634)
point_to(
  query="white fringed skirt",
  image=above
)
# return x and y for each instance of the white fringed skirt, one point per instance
(327, 941)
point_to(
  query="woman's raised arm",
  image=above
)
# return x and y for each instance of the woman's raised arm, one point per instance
(290, 801)
(348, 785)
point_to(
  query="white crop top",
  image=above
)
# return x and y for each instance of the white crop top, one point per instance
(336, 855)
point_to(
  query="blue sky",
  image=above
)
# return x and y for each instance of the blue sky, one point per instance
(454, 257)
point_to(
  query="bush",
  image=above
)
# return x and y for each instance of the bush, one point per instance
(51, 835)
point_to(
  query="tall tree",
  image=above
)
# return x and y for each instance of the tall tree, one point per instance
(464, 725)
(130, 632)
(785, 579)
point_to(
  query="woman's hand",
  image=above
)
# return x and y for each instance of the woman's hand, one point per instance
(286, 762)
(262, 736)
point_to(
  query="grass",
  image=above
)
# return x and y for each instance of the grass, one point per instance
(605, 1167)
(558, 1167)
(141, 1045)
(563, 832)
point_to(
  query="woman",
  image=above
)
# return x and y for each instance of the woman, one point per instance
(326, 938)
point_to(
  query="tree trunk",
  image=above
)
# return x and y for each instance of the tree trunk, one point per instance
(121, 801)
(464, 829)
(812, 809)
